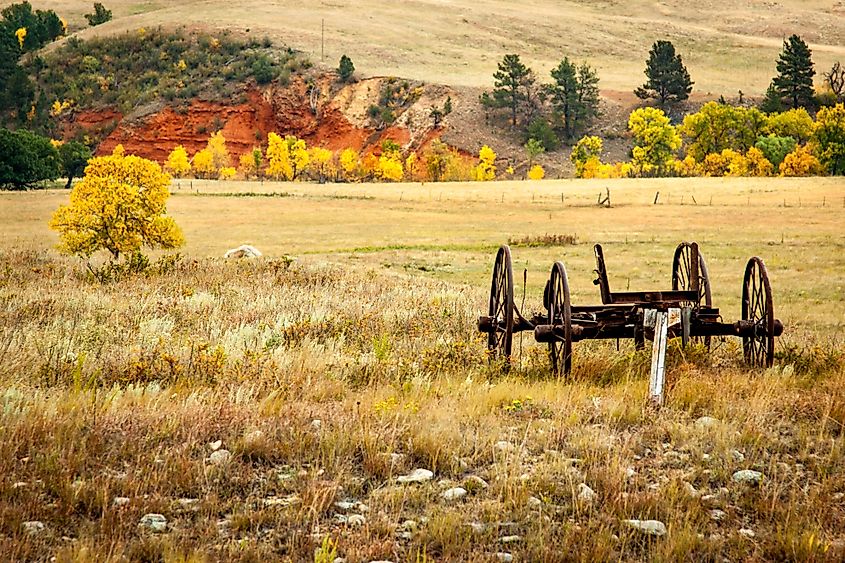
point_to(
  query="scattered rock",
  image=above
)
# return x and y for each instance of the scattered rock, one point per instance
(477, 527)
(345, 505)
(748, 476)
(155, 522)
(416, 476)
(220, 457)
(454, 493)
(691, 490)
(281, 501)
(356, 520)
(650, 527)
(510, 539)
(316, 424)
(19, 485)
(189, 503)
(747, 533)
(630, 472)
(216, 445)
(705, 422)
(534, 502)
(33, 527)
(254, 437)
(717, 515)
(738, 456)
(117, 502)
(503, 446)
(243, 251)
(585, 493)
(475, 482)
(504, 557)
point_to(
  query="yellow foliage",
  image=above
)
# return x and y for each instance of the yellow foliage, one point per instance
(655, 140)
(758, 165)
(278, 158)
(181, 65)
(800, 162)
(21, 35)
(219, 153)
(588, 169)
(118, 150)
(717, 164)
(321, 164)
(204, 164)
(389, 167)
(299, 156)
(685, 168)
(56, 142)
(177, 162)
(119, 206)
(227, 173)
(486, 169)
(349, 164)
(795, 123)
(536, 173)
(247, 165)
(59, 107)
(64, 26)
(412, 171)
(586, 148)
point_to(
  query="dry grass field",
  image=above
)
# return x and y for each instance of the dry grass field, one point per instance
(328, 378)
(727, 46)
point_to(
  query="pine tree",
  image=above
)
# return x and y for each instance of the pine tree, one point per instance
(512, 81)
(574, 94)
(794, 81)
(345, 68)
(668, 79)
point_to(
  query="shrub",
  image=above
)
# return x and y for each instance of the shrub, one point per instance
(26, 159)
(100, 15)
(800, 162)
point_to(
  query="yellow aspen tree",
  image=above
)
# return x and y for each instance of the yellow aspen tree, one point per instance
(203, 164)
(412, 171)
(486, 169)
(219, 153)
(299, 157)
(349, 164)
(247, 165)
(536, 173)
(758, 165)
(586, 149)
(177, 162)
(320, 163)
(226, 173)
(119, 206)
(800, 162)
(390, 168)
(278, 158)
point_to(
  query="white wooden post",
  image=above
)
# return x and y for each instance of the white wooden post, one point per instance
(658, 358)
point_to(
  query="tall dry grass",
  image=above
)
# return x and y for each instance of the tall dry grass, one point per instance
(118, 390)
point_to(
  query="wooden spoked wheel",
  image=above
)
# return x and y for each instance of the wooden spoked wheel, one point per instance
(559, 312)
(682, 280)
(501, 309)
(759, 347)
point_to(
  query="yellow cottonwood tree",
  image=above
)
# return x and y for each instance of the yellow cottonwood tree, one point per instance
(320, 163)
(486, 170)
(536, 173)
(349, 163)
(278, 158)
(177, 162)
(299, 156)
(203, 164)
(390, 167)
(119, 206)
(219, 153)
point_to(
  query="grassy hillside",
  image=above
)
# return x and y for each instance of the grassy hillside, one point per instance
(727, 46)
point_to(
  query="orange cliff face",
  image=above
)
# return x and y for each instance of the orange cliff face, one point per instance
(335, 119)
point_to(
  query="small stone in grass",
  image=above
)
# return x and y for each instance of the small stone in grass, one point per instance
(220, 457)
(155, 522)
